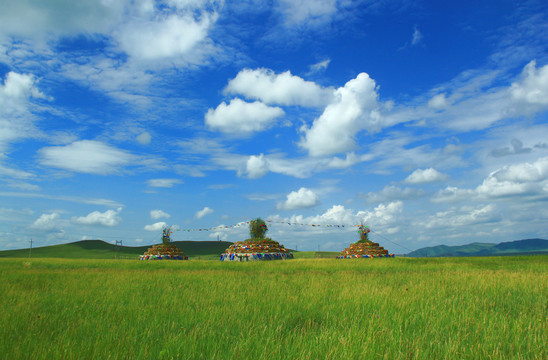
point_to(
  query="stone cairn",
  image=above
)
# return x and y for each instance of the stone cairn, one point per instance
(364, 248)
(164, 251)
(257, 247)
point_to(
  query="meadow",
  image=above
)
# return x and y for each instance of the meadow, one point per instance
(402, 308)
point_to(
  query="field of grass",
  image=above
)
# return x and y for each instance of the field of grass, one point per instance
(98, 249)
(316, 254)
(402, 308)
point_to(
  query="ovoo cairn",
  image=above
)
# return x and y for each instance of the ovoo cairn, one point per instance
(258, 247)
(364, 248)
(164, 251)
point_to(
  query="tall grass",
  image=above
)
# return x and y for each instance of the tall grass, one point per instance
(301, 309)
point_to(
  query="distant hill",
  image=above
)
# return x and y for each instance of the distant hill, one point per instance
(518, 247)
(98, 249)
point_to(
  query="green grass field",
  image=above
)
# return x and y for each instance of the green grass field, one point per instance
(98, 249)
(402, 308)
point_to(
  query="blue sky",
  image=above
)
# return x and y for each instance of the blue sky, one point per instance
(425, 120)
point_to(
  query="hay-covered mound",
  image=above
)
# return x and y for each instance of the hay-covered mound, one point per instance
(164, 251)
(364, 248)
(257, 247)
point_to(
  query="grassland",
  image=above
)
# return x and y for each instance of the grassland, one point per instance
(98, 249)
(403, 308)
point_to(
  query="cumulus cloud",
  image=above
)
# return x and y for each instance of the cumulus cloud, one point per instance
(163, 183)
(205, 211)
(382, 215)
(531, 93)
(354, 108)
(86, 156)
(521, 179)
(152, 38)
(157, 214)
(156, 226)
(242, 118)
(280, 89)
(144, 30)
(107, 218)
(421, 176)
(16, 119)
(256, 166)
(303, 198)
(46, 222)
(464, 216)
(518, 179)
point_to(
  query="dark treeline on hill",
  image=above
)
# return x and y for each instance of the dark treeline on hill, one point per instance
(518, 247)
(99, 249)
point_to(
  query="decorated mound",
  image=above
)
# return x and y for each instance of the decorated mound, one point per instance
(256, 248)
(364, 248)
(164, 251)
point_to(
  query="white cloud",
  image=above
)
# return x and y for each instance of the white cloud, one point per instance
(464, 216)
(453, 194)
(86, 156)
(310, 12)
(221, 235)
(205, 211)
(421, 176)
(256, 166)
(417, 37)
(318, 67)
(19, 87)
(144, 138)
(521, 179)
(157, 214)
(164, 37)
(383, 215)
(62, 17)
(107, 218)
(524, 172)
(303, 198)
(144, 30)
(156, 226)
(90, 201)
(47, 222)
(242, 118)
(16, 118)
(438, 101)
(280, 89)
(355, 108)
(518, 179)
(163, 183)
(531, 94)
(472, 101)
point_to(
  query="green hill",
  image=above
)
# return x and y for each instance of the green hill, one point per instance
(98, 249)
(518, 247)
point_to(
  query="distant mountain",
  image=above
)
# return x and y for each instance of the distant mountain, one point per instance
(518, 247)
(98, 249)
